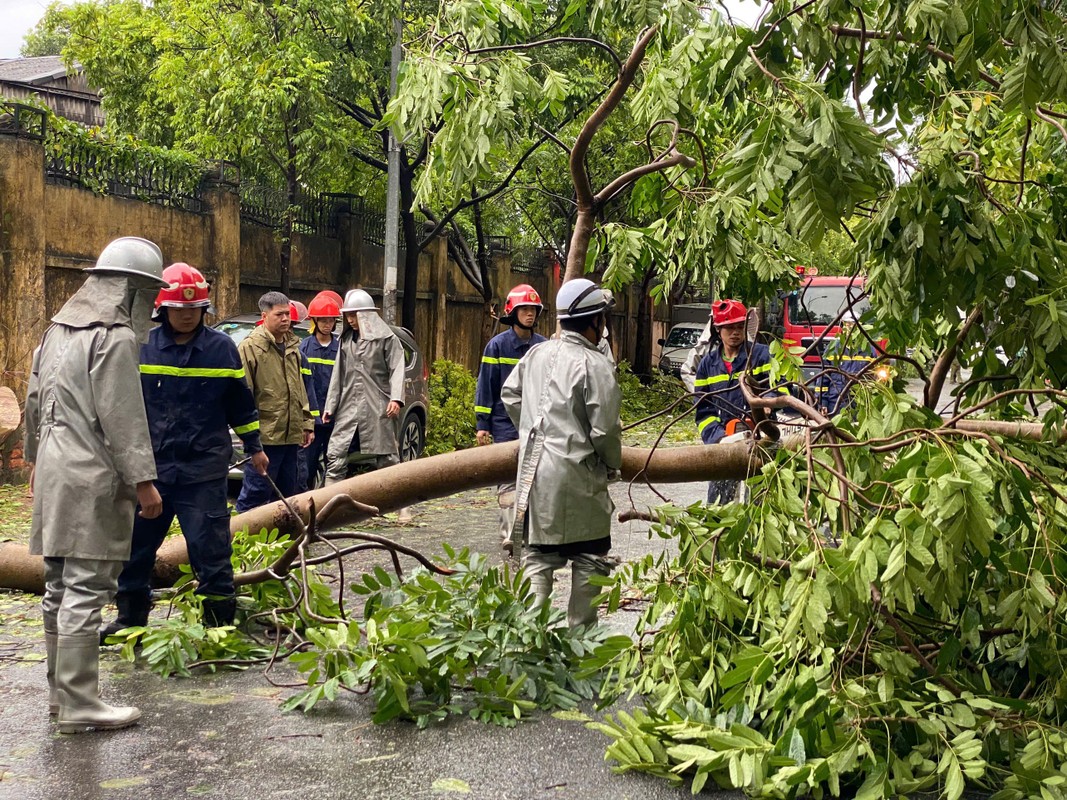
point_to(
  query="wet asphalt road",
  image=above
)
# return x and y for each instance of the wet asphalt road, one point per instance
(223, 736)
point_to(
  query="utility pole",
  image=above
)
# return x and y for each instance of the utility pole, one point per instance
(392, 193)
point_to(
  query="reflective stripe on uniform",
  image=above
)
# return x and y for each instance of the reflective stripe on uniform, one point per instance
(482, 410)
(305, 371)
(705, 422)
(329, 362)
(711, 379)
(243, 429)
(191, 372)
(314, 412)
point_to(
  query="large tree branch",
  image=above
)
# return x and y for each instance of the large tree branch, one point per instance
(932, 391)
(621, 182)
(361, 115)
(370, 160)
(596, 120)
(858, 33)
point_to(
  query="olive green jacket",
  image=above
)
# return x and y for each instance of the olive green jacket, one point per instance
(278, 386)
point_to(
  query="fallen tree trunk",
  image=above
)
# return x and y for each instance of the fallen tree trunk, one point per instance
(413, 482)
(10, 414)
(439, 476)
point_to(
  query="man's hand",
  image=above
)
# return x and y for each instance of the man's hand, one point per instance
(149, 500)
(327, 417)
(392, 410)
(483, 437)
(260, 462)
(309, 437)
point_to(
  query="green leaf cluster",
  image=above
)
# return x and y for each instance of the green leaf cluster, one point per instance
(468, 643)
(909, 638)
(452, 424)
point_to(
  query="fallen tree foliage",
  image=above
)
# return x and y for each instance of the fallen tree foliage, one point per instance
(914, 644)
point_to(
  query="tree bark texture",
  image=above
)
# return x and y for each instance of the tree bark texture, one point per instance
(411, 244)
(10, 413)
(406, 484)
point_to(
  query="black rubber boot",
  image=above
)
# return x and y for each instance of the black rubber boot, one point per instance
(133, 612)
(218, 613)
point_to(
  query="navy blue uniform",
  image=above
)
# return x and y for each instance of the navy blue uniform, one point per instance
(321, 359)
(194, 393)
(499, 359)
(841, 365)
(725, 400)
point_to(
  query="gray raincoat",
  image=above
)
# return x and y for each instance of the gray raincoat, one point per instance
(86, 428)
(368, 374)
(566, 390)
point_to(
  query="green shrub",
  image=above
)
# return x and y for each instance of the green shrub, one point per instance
(452, 422)
(639, 400)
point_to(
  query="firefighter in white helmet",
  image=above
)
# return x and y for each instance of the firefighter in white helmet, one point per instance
(565, 399)
(522, 309)
(87, 438)
(366, 388)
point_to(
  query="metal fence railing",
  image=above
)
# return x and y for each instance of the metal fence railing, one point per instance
(94, 167)
(154, 176)
(313, 212)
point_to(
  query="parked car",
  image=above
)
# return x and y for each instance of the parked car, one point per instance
(677, 346)
(416, 393)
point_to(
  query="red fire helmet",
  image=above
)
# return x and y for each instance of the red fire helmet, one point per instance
(186, 288)
(521, 295)
(324, 305)
(727, 312)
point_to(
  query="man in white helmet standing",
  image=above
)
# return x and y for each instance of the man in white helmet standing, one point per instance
(87, 438)
(522, 309)
(565, 400)
(366, 388)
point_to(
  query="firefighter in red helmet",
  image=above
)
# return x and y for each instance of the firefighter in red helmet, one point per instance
(320, 349)
(721, 408)
(194, 391)
(522, 308)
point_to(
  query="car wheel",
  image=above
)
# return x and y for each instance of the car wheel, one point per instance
(412, 438)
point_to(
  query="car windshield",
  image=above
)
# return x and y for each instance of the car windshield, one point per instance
(820, 305)
(683, 337)
(238, 331)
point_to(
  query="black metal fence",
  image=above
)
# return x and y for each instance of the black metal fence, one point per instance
(143, 174)
(313, 212)
(105, 169)
(533, 261)
(24, 121)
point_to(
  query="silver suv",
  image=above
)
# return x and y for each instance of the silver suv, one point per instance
(416, 393)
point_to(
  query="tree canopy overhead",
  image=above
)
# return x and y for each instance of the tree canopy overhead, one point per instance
(888, 616)
(929, 132)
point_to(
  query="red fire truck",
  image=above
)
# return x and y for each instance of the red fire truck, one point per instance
(803, 314)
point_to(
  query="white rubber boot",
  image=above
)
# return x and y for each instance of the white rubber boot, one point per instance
(77, 679)
(540, 568)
